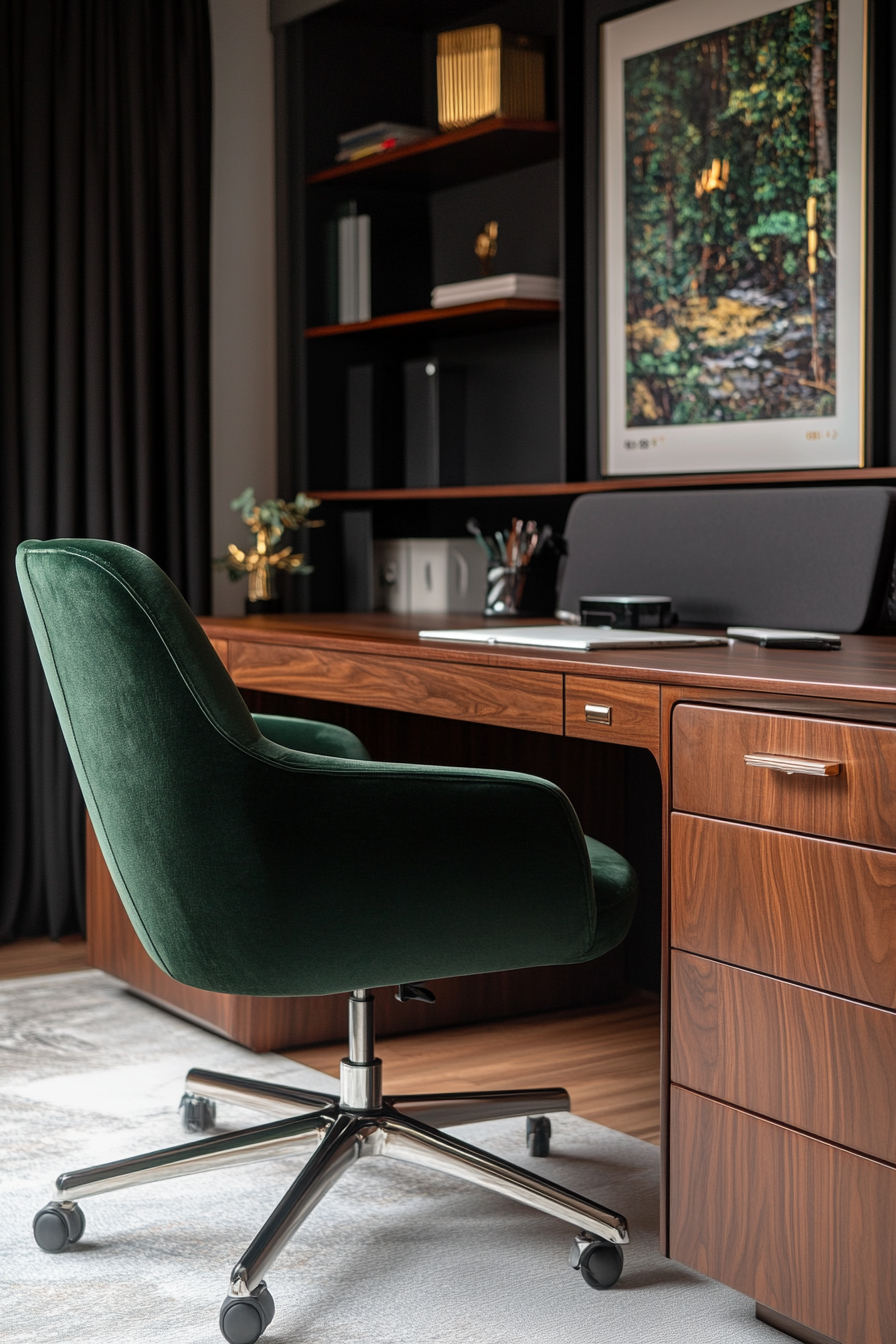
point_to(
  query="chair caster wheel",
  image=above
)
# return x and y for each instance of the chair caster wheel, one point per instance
(538, 1135)
(58, 1226)
(197, 1114)
(245, 1319)
(599, 1261)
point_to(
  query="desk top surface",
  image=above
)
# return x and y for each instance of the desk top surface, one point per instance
(864, 669)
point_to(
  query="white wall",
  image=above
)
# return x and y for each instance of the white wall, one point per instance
(243, 316)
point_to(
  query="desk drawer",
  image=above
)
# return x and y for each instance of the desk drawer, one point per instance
(613, 711)
(711, 776)
(802, 1226)
(511, 699)
(803, 909)
(808, 1059)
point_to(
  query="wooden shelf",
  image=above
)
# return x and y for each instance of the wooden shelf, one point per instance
(832, 476)
(467, 317)
(496, 145)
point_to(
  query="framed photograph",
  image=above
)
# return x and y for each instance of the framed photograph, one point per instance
(733, 236)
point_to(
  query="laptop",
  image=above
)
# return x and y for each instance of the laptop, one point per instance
(575, 637)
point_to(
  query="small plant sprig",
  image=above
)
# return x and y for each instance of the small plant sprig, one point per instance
(268, 521)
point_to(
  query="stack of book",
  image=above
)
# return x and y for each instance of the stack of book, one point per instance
(348, 266)
(376, 139)
(497, 287)
(486, 72)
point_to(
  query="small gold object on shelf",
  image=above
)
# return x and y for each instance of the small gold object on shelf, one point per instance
(268, 521)
(486, 246)
(485, 72)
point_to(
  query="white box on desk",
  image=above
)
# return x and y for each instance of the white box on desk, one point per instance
(414, 575)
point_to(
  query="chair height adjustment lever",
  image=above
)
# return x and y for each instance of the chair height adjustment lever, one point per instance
(415, 993)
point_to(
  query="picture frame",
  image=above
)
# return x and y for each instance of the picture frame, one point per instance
(731, 237)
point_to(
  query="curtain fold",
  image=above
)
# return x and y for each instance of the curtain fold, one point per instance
(105, 187)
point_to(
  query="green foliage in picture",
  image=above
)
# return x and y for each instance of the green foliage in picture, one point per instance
(731, 196)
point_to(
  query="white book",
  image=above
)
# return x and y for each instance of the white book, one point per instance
(348, 269)
(511, 286)
(577, 637)
(363, 263)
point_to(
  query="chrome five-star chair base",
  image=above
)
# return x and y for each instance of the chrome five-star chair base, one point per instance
(360, 1122)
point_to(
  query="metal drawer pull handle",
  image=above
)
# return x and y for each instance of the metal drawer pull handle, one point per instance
(599, 714)
(793, 765)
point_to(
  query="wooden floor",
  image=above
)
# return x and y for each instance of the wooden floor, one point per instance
(43, 956)
(607, 1058)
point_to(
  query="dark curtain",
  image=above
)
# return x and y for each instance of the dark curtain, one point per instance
(105, 174)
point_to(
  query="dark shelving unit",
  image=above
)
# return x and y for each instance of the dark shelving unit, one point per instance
(354, 63)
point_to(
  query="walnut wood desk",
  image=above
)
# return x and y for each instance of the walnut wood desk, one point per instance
(778, 776)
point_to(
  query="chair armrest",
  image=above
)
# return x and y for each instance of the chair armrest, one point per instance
(322, 739)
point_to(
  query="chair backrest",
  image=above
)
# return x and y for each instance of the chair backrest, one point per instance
(247, 867)
(804, 557)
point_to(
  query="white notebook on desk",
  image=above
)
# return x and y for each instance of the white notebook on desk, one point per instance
(576, 637)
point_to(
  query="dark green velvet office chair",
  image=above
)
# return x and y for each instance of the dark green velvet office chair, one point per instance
(272, 856)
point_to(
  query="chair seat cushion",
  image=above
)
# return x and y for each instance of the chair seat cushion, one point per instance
(615, 895)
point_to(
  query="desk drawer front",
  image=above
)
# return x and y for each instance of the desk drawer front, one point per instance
(805, 1227)
(500, 696)
(613, 711)
(799, 1056)
(710, 774)
(808, 910)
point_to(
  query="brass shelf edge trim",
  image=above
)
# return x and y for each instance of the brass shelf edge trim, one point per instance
(792, 765)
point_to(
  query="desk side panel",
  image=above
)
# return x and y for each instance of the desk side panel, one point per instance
(474, 694)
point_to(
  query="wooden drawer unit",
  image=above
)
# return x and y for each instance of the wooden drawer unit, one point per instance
(782, 1020)
(808, 1059)
(820, 913)
(710, 774)
(801, 1225)
(478, 694)
(627, 712)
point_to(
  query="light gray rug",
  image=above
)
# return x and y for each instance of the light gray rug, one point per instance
(394, 1254)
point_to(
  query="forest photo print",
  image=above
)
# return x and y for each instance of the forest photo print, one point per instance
(732, 193)
(731, 185)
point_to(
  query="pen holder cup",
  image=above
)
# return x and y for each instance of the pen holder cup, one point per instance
(526, 590)
(505, 590)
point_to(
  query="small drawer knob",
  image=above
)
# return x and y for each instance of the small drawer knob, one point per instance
(599, 714)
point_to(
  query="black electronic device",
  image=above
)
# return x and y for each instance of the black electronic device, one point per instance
(357, 558)
(784, 639)
(360, 420)
(434, 424)
(621, 612)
